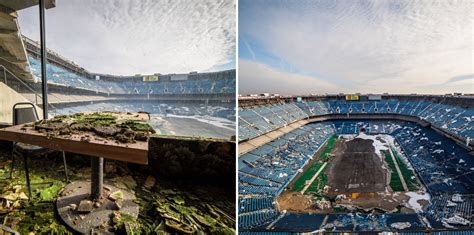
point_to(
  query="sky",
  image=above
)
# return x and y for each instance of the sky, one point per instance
(128, 37)
(319, 47)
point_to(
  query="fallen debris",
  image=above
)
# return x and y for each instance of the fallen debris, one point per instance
(116, 196)
(415, 199)
(456, 219)
(401, 225)
(198, 208)
(7, 230)
(457, 198)
(73, 206)
(149, 182)
(85, 206)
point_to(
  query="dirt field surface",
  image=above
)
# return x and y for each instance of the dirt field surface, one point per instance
(295, 201)
(368, 201)
(356, 168)
(356, 180)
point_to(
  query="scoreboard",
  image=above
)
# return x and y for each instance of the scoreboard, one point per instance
(151, 78)
(352, 97)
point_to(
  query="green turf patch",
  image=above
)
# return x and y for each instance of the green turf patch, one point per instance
(300, 182)
(408, 174)
(395, 181)
(318, 183)
(328, 148)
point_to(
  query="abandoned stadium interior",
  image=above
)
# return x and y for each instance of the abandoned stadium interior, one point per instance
(126, 154)
(355, 163)
(124, 117)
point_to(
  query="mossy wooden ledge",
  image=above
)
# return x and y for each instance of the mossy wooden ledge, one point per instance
(111, 135)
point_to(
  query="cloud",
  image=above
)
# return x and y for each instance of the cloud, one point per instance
(247, 46)
(392, 46)
(461, 78)
(130, 37)
(462, 83)
(259, 78)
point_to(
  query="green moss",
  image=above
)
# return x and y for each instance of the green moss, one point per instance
(38, 215)
(60, 117)
(124, 131)
(139, 126)
(50, 193)
(128, 223)
(99, 119)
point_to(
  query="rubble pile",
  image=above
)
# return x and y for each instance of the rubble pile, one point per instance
(115, 126)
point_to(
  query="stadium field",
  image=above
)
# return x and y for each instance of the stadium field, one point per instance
(315, 166)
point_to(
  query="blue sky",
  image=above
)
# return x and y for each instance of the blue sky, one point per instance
(125, 37)
(302, 47)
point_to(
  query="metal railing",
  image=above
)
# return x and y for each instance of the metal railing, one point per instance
(12, 81)
(5, 80)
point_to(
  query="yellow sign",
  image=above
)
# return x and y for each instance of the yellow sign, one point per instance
(352, 97)
(151, 78)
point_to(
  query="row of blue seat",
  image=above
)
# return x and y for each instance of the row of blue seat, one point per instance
(350, 222)
(224, 84)
(265, 171)
(441, 164)
(257, 219)
(278, 160)
(256, 121)
(448, 205)
(255, 204)
(161, 109)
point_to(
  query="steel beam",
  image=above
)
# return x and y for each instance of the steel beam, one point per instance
(97, 177)
(43, 60)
